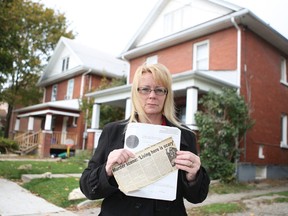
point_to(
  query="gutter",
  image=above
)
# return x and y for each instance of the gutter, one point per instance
(184, 35)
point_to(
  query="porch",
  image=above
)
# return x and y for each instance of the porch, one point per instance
(44, 142)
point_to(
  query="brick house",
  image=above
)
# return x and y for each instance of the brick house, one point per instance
(52, 126)
(207, 45)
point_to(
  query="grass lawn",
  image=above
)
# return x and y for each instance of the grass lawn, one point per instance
(10, 169)
(56, 190)
(217, 209)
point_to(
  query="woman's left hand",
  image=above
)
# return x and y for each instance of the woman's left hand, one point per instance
(188, 162)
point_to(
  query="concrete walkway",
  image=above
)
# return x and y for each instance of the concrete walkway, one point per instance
(254, 208)
(15, 200)
(224, 198)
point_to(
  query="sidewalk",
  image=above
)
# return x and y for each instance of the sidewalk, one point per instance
(261, 189)
(250, 198)
(15, 200)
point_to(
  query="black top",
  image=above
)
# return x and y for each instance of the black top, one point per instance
(95, 183)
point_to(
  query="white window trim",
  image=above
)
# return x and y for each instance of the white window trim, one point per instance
(69, 95)
(284, 132)
(261, 172)
(261, 152)
(54, 96)
(174, 20)
(152, 60)
(65, 64)
(195, 50)
(283, 78)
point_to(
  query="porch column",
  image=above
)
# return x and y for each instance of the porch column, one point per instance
(95, 116)
(30, 123)
(128, 108)
(191, 105)
(44, 146)
(17, 124)
(94, 133)
(48, 122)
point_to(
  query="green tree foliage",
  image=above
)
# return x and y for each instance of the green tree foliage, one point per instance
(108, 113)
(28, 35)
(222, 124)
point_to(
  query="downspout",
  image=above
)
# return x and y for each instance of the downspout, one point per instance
(81, 96)
(238, 70)
(82, 82)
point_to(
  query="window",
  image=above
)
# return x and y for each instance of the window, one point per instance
(284, 131)
(70, 88)
(201, 56)
(261, 152)
(260, 172)
(181, 114)
(54, 92)
(74, 121)
(284, 71)
(65, 64)
(152, 60)
(174, 21)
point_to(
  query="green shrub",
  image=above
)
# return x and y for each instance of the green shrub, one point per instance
(8, 145)
(222, 123)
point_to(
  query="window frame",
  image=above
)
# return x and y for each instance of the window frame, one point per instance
(70, 89)
(284, 131)
(152, 60)
(54, 92)
(65, 64)
(175, 20)
(197, 58)
(284, 75)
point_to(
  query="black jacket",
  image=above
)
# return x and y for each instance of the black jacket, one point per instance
(95, 183)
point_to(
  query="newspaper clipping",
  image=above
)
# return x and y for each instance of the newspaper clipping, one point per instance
(148, 166)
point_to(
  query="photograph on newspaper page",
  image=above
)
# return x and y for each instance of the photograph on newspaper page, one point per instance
(139, 136)
(148, 166)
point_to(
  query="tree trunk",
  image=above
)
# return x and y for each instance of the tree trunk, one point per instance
(8, 119)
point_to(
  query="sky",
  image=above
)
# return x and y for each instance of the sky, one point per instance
(109, 25)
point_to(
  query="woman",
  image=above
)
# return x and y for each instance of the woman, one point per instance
(153, 103)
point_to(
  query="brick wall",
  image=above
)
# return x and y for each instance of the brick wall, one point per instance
(269, 98)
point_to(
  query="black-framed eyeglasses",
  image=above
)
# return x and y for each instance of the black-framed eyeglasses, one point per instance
(160, 91)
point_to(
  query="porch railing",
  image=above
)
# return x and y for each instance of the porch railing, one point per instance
(63, 138)
(28, 141)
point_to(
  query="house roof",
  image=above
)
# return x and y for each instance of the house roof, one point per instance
(62, 107)
(231, 15)
(89, 59)
(236, 16)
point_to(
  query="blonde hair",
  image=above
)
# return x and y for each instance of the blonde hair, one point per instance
(161, 76)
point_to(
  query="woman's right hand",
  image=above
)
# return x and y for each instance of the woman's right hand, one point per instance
(117, 156)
